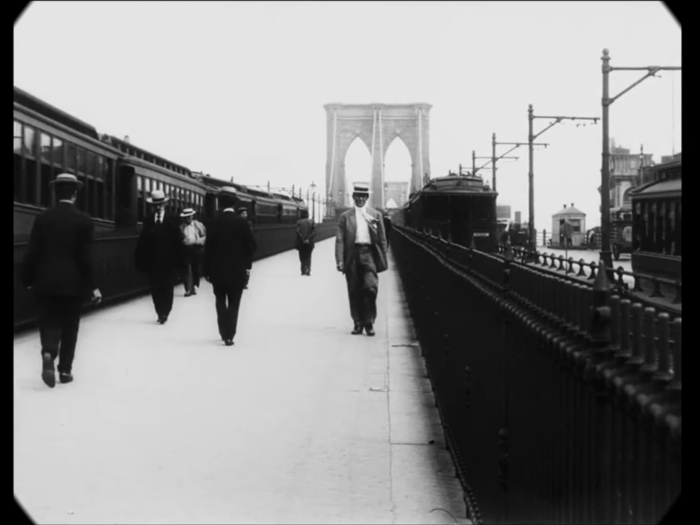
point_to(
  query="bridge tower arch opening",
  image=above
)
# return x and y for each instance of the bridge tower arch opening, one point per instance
(357, 166)
(377, 125)
(398, 172)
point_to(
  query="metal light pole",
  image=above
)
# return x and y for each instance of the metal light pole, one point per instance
(605, 253)
(313, 201)
(531, 181)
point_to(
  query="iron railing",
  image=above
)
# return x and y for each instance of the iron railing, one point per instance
(561, 401)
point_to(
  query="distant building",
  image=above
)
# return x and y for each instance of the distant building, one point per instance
(670, 158)
(625, 174)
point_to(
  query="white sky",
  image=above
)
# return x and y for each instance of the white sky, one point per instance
(238, 88)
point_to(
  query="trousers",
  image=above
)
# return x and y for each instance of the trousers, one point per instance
(193, 264)
(162, 292)
(305, 259)
(363, 285)
(228, 301)
(59, 321)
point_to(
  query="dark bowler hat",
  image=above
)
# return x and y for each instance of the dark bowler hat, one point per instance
(67, 178)
(157, 197)
(242, 209)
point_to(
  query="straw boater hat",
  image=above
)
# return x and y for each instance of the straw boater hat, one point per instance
(360, 187)
(187, 212)
(67, 178)
(157, 197)
(242, 209)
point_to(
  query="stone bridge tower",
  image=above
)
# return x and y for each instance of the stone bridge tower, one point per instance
(377, 125)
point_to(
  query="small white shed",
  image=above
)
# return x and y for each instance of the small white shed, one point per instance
(569, 223)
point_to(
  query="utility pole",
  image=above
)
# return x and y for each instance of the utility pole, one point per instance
(531, 183)
(605, 254)
(491, 160)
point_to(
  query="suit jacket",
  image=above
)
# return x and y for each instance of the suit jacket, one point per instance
(59, 256)
(306, 230)
(228, 250)
(345, 238)
(159, 249)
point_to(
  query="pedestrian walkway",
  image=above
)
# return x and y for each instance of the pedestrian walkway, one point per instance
(298, 422)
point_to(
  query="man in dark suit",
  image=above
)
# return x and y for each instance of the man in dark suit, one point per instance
(360, 253)
(58, 267)
(305, 239)
(159, 253)
(228, 258)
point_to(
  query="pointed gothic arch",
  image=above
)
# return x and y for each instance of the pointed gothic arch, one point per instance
(377, 125)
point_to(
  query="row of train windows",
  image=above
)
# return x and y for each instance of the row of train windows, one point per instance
(657, 226)
(152, 159)
(39, 157)
(179, 198)
(266, 209)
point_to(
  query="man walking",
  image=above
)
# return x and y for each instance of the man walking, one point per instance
(58, 267)
(194, 234)
(360, 253)
(306, 233)
(159, 253)
(228, 258)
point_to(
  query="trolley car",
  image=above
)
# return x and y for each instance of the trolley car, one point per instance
(657, 222)
(460, 207)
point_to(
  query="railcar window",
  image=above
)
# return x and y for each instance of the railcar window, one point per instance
(58, 154)
(18, 164)
(99, 199)
(81, 201)
(141, 201)
(31, 166)
(46, 170)
(71, 155)
(109, 188)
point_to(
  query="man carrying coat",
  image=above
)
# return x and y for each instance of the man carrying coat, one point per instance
(360, 253)
(228, 258)
(159, 253)
(58, 268)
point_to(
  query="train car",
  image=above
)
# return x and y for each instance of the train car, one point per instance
(141, 172)
(458, 206)
(47, 142)
(118, 177)
(657, 221)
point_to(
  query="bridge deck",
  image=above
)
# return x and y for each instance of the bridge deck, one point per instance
(299, 422)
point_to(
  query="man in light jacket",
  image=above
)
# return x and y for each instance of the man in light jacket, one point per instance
(360, 254)
(194, 235)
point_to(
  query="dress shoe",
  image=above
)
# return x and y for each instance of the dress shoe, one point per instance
(194, 292)
(48, 374)
(369, 329)
(229, 342)
(357, 330)
(163, 319)
(187, 294)
(65, 377)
